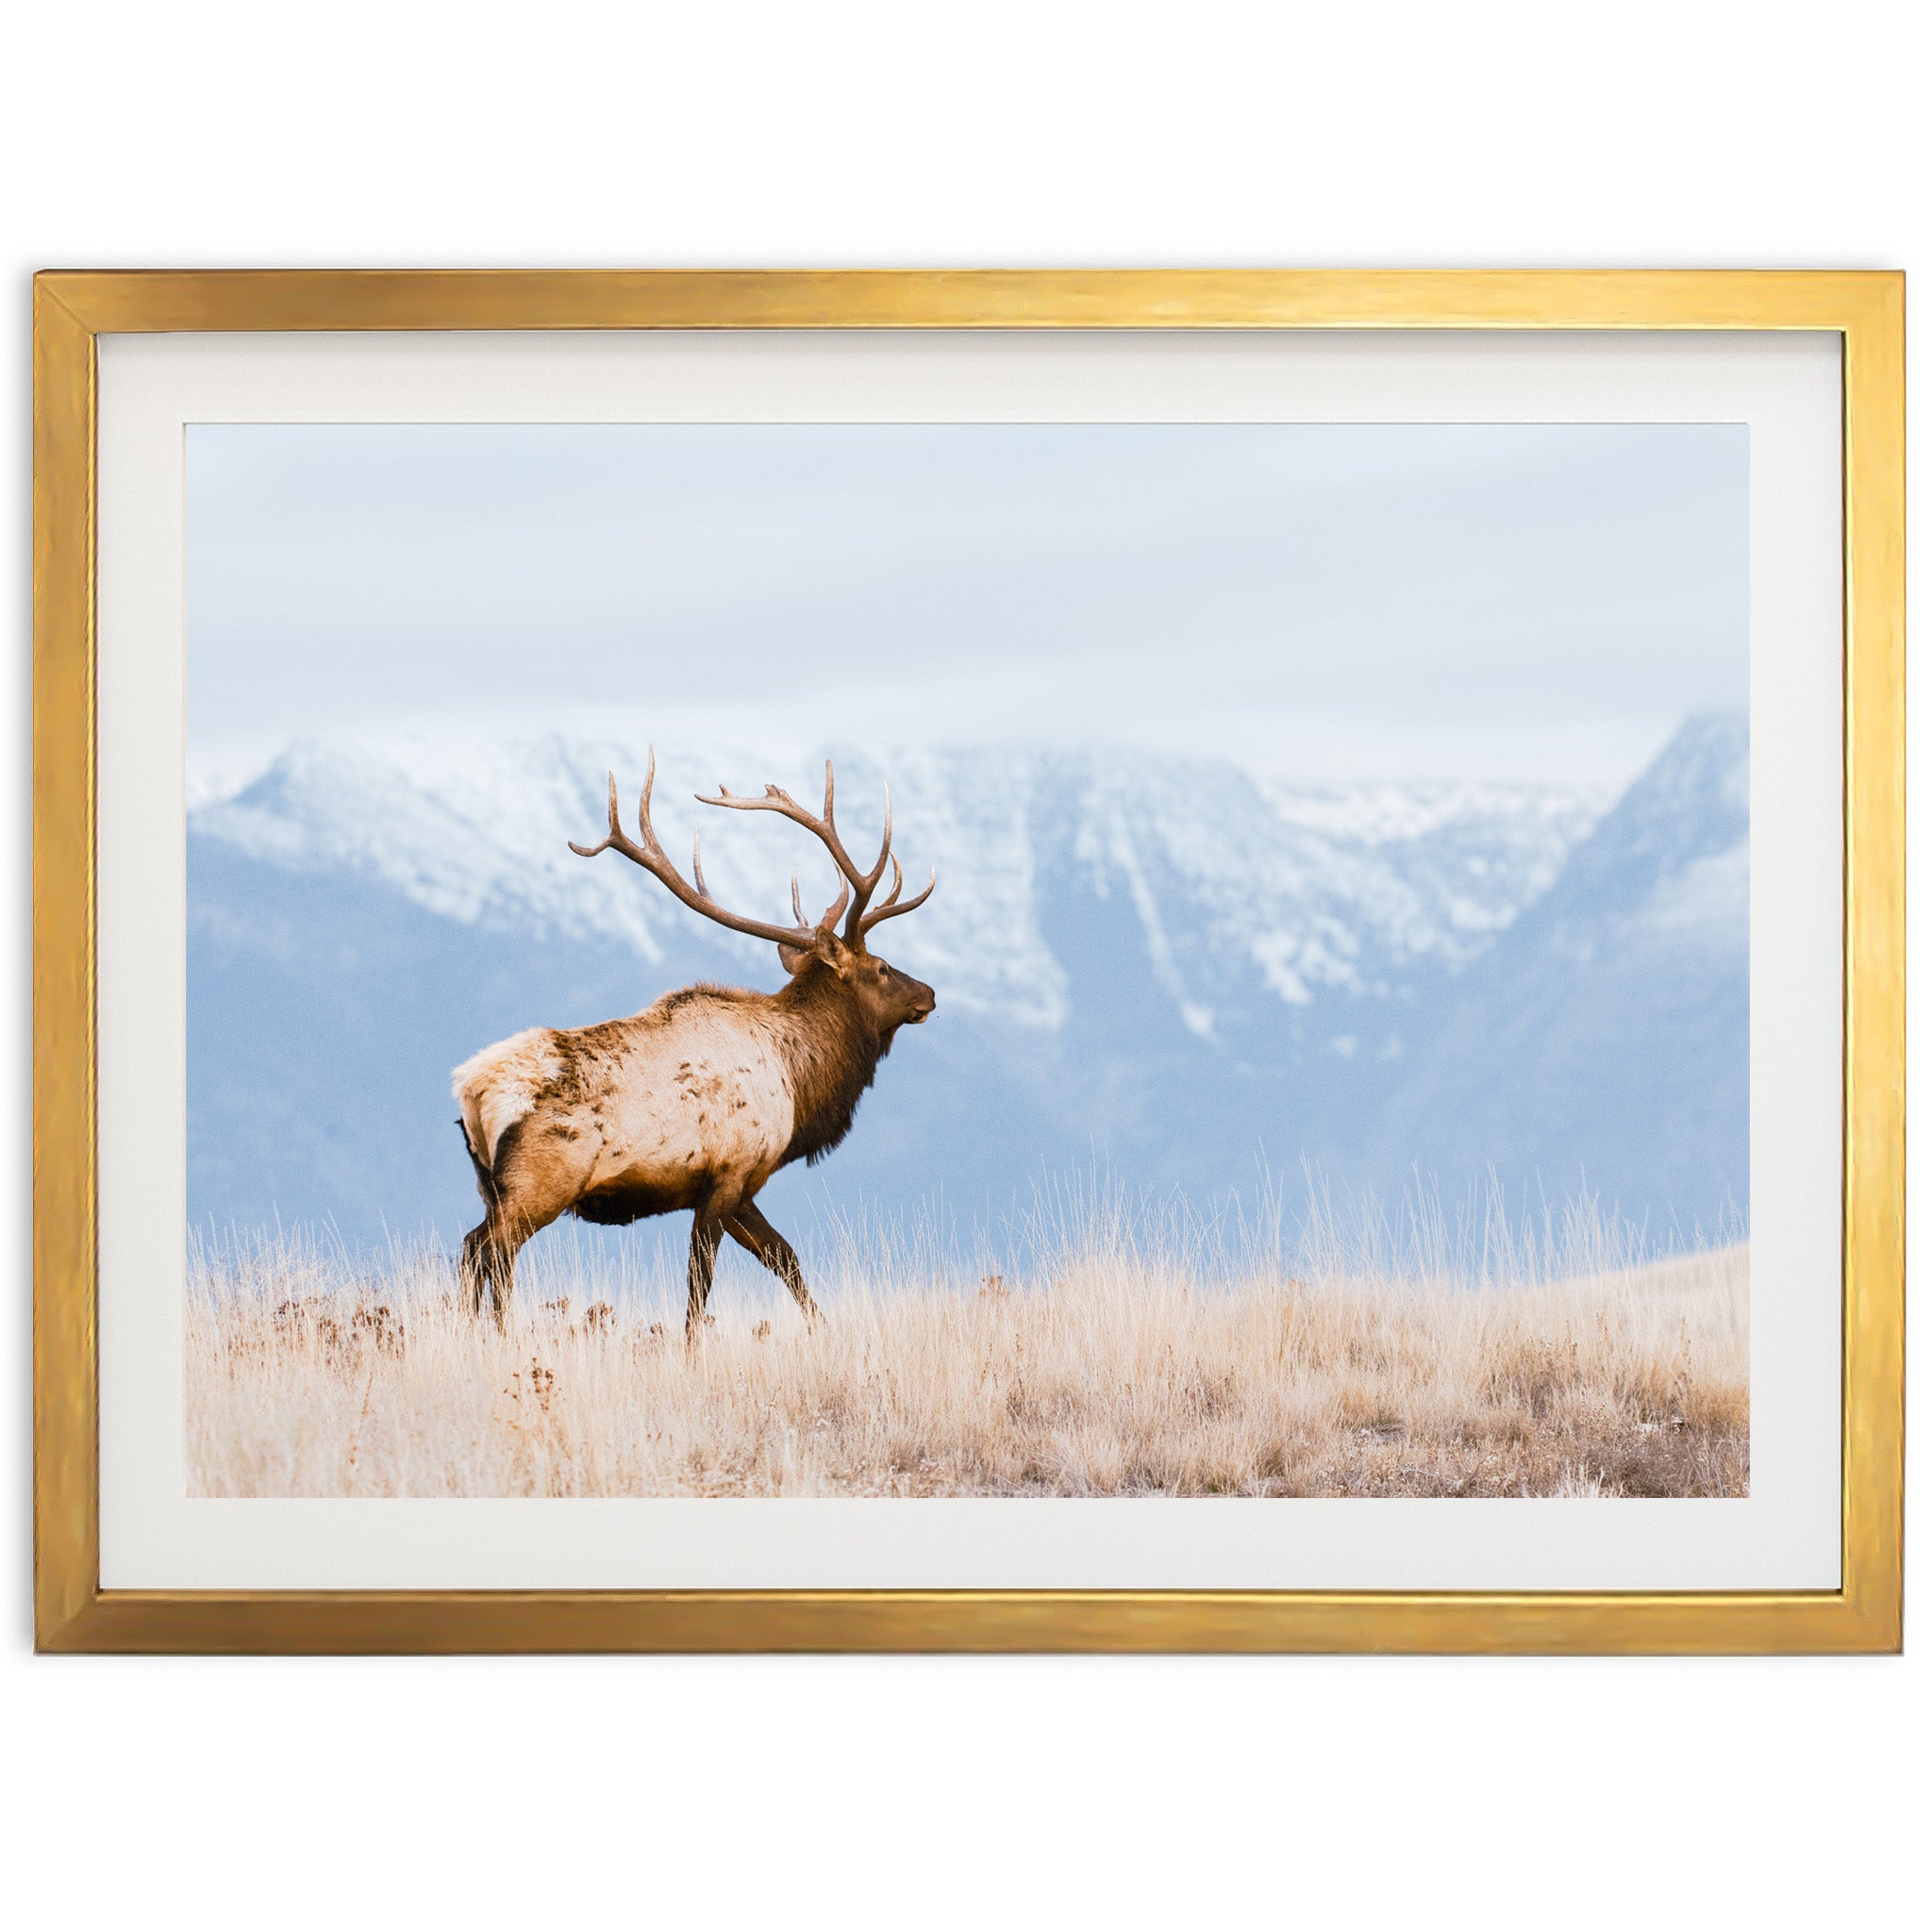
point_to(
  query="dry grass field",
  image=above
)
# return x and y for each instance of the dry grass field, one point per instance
(1116, 1372)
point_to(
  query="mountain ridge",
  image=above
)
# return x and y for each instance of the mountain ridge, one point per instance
(1170, 966)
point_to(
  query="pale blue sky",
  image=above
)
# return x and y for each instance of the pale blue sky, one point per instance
(1336, 601)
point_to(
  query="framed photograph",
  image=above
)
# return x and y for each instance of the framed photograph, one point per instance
(1118, 961)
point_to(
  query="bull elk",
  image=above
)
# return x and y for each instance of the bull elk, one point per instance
(695, 1103)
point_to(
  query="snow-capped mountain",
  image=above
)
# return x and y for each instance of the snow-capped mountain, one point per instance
(1306, 888)
(1621, 1004)
(1170, 966)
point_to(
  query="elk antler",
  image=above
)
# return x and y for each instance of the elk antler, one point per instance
(646, 851)
(889, 907)
(861, 884)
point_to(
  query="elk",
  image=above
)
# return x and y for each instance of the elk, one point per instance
(695, 1103)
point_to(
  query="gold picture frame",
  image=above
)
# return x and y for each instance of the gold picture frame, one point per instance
(73, 1613)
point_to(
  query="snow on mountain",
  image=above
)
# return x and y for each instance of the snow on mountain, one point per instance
(1170, 966)
(1671, 858)
(1621, 1004)
(1315, 888)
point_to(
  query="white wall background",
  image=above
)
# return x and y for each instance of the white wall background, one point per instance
(934, 1791)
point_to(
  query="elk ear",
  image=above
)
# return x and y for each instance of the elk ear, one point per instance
(825, 945)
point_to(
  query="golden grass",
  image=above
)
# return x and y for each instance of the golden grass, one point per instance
(1112, 1375)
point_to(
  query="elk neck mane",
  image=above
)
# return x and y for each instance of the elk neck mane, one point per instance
(832, 1053)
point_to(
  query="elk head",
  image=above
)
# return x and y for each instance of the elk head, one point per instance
(888, 998)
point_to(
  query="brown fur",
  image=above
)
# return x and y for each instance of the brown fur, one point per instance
(689, 1105)
(693, 1104)
(832, 1059)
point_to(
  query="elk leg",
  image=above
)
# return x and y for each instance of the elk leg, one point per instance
(750, 1229)
(490, 1261)
(704, 1231)
(503, 1274)
(473, 1271)
(532, 1180)
(478, 1263)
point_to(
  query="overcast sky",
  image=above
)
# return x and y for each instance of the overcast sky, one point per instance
(1347, 601)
